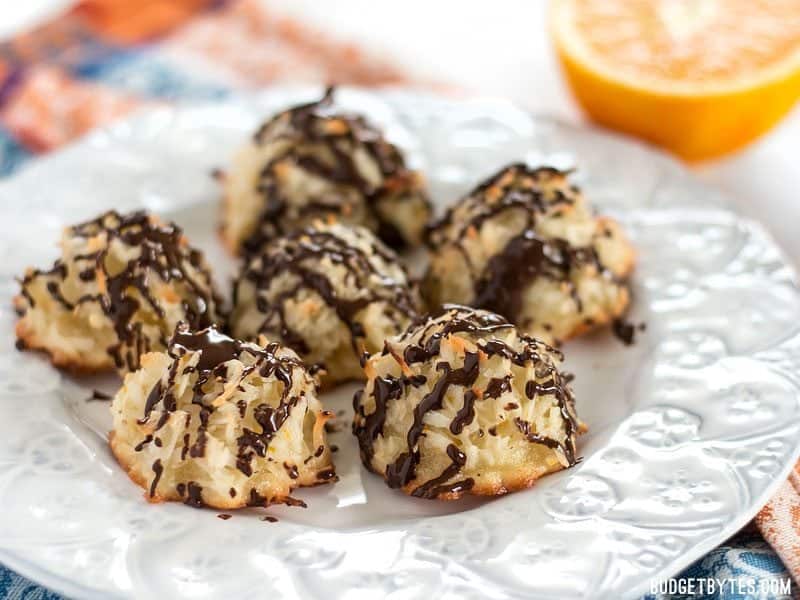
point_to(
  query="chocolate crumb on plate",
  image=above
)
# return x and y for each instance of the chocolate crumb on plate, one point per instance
(625, 331)
(98, 396)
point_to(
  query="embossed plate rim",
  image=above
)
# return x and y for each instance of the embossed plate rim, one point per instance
(116, 134)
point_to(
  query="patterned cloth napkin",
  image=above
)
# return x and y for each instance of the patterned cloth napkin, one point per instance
(779, 522)
(105, 58)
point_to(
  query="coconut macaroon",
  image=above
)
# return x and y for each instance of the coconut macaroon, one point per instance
(217, 422)
(463, 403)
(526, 244)
(330, 292)
(122, 284)
(313, 161)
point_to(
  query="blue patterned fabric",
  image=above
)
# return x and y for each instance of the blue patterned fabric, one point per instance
(16, 587)
(12, 154)
(149, 75)
(744, 568)
(140, 73)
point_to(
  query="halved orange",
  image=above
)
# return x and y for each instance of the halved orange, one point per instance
(699, 77)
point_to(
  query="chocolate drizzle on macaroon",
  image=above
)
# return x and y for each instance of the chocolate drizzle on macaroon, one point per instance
(301, 255)
(484, 329)
(215, 350)
(161, 252)
(334, 146)
(517, 189)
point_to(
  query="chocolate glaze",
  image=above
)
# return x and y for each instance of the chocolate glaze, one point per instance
(158, 469)
(163, 255)
(428, 333)
(194, 496)
(497, 387)
(324, 142)
(214, 350)
(97, 395)
(403, 469)
(140, 446)
(436, 486)
(152, 399)
(257, 499)
(626, 331)
(327, 474)
(525, 428)
(524, 258)
(527, 256)
(465, 414)
(300, 255)
(291, 470)
(384, 389)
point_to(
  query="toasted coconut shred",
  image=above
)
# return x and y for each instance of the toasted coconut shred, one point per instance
(462, 402)
(330, 292)
(525, 244)
(313, 162)
(218, 422)
(121, 286)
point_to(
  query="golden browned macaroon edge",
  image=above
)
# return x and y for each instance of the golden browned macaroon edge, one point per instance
(623, 272)
(70, 362)
(158, 498)
(516, 482)
(232, 245)
(597, 320)
(508, 484)
(133, 474)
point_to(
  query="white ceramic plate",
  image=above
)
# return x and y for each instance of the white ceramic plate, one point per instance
(691, 428)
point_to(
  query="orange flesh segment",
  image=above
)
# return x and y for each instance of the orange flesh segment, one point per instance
(690, 42)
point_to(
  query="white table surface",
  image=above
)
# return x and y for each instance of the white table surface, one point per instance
(22, 15)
